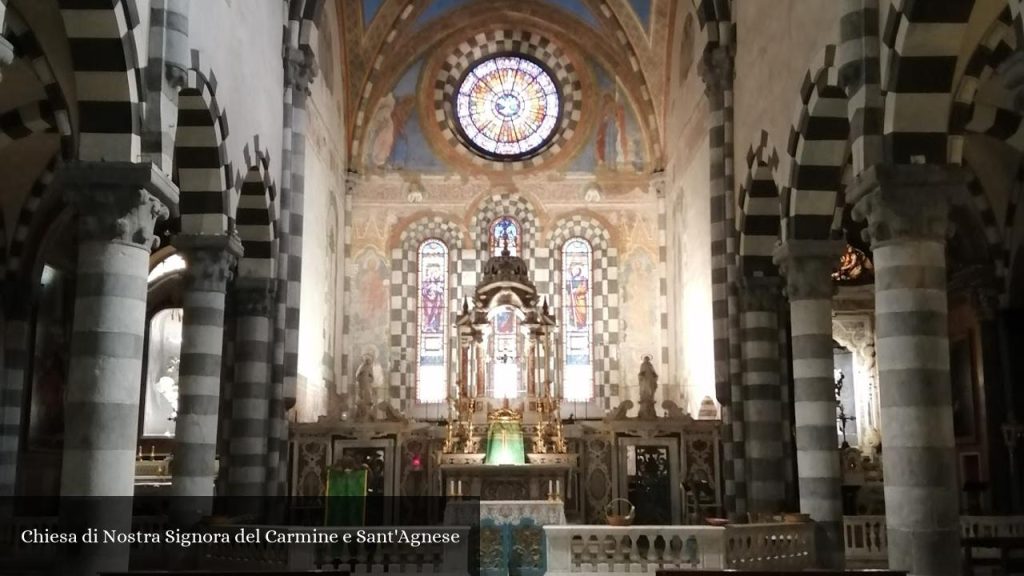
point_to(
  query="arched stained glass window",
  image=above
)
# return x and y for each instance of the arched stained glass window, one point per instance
(577, 320)
(505, 231)
(507, 107)
(431, 374)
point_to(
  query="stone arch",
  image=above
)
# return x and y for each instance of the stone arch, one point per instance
(108, 89)
(50, 115)
(256, 220)
(758, 218)
(605, 268)
(30, 226)
(405, 302)
(917, 75)
(505, 204)
(811, 202)
(203, 173)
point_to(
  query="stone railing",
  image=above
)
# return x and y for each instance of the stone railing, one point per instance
(646, 549)
(769, 546)
(867, 540)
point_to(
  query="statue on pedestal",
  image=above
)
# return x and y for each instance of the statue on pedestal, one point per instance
(648, 386)
(364, 387)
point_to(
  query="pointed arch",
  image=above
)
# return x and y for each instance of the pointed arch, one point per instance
(108, 88)
(506, 204)
(604, 302)
(256, 222)
(203, 173)
(758, 217)
(811, 202)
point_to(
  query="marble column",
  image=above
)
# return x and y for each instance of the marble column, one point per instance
(807, 266)
(6, 49)
(762, 395)
(118, 204)
(907, 213)
(211, 259)
(250, 394)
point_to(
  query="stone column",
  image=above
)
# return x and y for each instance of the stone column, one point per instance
(807, 266)
(6, 49)
(250, 394)
(907, 213)
(118, 204)
(762, 395)
(210, 263)
(12, 388)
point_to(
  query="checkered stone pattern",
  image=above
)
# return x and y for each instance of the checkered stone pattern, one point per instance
(405, 300)
(812, 206)
(1001, 123)
(204, 173)
(672, 390)
(27, 47)
(519, 208)
(923, 41)
(859, 67)
(491, 43)
(605, 267)
(345, 379)
(166, 72)
(27, 224)
(108, 89)
(758, 219)
(24, 121)
(255, 222)
(16, 362)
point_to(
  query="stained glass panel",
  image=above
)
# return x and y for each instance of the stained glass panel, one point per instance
(507, 106)
(431, 381)
(505, 231)
(577, 321)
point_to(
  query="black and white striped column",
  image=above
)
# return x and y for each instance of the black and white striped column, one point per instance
(118, 205)
(762, 395)
(211, 259)
(12, 389)
(250, 395)
(807, 266)
(716, 69)
(907, 212)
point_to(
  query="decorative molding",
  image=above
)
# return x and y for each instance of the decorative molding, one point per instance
(211, 260)
(254, 296)
(807, 267)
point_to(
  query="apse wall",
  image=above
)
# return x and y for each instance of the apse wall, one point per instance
(323, 234)
(383, 207)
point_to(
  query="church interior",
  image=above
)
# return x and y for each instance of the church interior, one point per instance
(652, 284)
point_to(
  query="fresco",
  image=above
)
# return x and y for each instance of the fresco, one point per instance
(617, 142)
(369, 314)
(394, 135)
(638, 285)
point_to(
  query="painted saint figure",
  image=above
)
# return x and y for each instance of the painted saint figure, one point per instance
(432, 293)
(577, 287)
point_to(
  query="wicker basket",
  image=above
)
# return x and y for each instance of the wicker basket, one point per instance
(618, 519)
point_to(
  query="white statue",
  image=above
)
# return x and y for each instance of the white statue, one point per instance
(364, 387)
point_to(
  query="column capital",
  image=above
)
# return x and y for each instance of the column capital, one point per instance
(807, 267)
(906, 202)
(254, 296)
(118, 202)
(300, 67)
(211, 259)
(717, 69)
(760, 293)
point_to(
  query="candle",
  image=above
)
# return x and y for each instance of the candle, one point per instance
(558, 487)
(451, 487)
(460, 487)
(549, 488)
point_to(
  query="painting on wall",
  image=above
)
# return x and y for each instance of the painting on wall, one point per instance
(638, 282)
(617, 143)
(394, 136)
(369, 320)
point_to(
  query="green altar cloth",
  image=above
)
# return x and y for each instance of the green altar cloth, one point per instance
(346, 497)
(505, 443)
